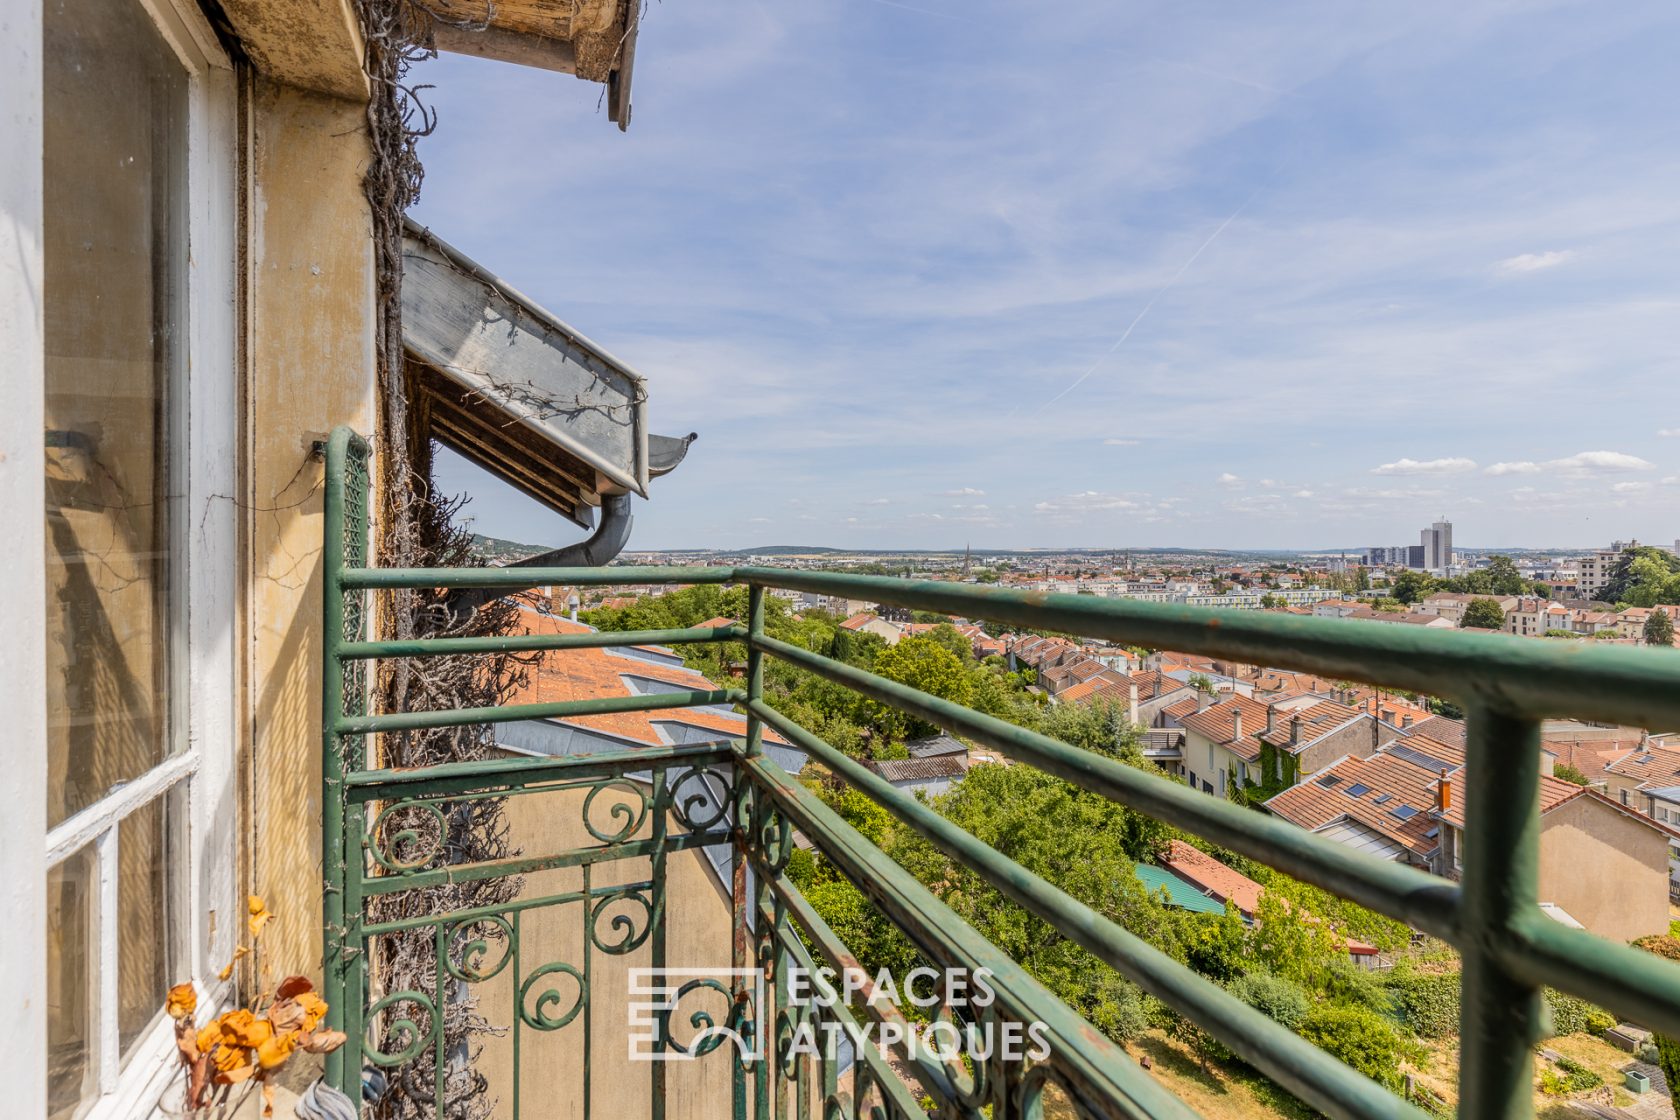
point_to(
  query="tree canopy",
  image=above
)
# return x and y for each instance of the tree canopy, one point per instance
(1483, 614)
(1659, 629)
(1644, 577)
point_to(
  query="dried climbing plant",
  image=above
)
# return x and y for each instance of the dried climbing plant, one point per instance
(418, 529)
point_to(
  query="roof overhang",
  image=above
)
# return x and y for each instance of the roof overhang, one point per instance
(511, 387)
(593, 39)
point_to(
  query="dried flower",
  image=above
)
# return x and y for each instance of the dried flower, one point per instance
(293, 986)
(314, 1009)
(273, 1053)
(322, 1042)
(242, 1028)
(181, 1002)
(287, 1015)
(260, 916)
(238, 955)
(233, 1063)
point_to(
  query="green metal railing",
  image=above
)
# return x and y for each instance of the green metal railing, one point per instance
(384, 833)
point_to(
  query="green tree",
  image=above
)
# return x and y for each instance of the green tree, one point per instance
(1504, 579)
(952, 639)
(1357, 1037)
(1659, 629)
(1569, 773)
(1668, 1057)
(1483, 614)
(1280, 1000)
(1643, 577)
(1272, 602)
(929, 667)
(1411, 587)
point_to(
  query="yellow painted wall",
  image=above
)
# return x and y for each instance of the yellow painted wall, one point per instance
(309, 368)
(1609, 871)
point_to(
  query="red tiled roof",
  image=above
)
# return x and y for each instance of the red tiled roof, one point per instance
(1441, 729)
(1317, 719)
(1212, 877)
(587, 674)
(1591, 757)
(1644, 762)
(1553, 792)
(1180, 709)
(1312, 804)
(1218, 724)
(1109, 684)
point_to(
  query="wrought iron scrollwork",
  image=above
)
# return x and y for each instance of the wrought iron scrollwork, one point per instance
(623, 924)
(407, 835)
(537, 1015)
(708, 1035)
(632, 813)
(699, 798)
(473, 941)
(773, 833)
(403, 1030)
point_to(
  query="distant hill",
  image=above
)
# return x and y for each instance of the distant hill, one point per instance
(496, 548)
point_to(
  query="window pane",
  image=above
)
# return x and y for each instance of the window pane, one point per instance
(144, 851)
(72, 1072)
(115, 139)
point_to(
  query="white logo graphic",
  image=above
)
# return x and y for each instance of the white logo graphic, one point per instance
(653, 997)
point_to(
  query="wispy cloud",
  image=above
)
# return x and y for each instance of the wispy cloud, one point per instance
(1600, 462)
(1535, 262)
(1522, 466)
(1121, 442)
(964, 492)
(1426, 466)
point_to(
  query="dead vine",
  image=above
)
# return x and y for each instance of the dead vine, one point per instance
(417, 529)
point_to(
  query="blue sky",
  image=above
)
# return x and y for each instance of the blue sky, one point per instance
(1108, 273)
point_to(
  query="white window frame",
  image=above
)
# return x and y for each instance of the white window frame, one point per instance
(205, 916)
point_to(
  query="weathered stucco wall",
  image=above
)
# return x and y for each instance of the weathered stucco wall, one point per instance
(1608, 871)
(309, 368)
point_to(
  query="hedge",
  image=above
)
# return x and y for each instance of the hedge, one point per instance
(1429, 1004)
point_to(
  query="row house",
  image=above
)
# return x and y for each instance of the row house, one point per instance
(1603, 866)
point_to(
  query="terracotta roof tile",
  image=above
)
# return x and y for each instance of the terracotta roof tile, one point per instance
(1217, 723)
(1644, 762)
(1316, 720)
(1354, 789)
(1212, 877)
(1553, 792)
(587, 674)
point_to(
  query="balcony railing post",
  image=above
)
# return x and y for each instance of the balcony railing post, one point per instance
(755, 666)
(1500, 1013)
(343, 543)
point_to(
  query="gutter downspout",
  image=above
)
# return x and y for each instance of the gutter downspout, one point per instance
(598, 550)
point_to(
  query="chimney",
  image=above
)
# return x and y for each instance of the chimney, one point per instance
(1236, 726)
(1132, 705)
(1203, 699)
(1271, 720)
(1294, 729)
(572, 604)
(1405, 721)
(1443, 795)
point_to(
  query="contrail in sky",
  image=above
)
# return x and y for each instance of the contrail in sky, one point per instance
(1182, 269)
